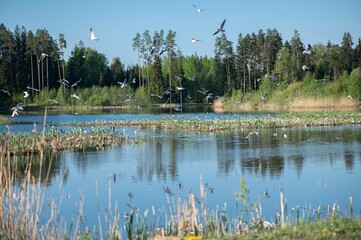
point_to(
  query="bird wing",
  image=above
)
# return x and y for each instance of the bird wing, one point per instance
(222, 25)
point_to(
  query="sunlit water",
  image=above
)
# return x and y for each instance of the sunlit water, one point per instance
(315, 166)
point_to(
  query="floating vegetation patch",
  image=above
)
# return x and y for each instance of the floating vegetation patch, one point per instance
(231, 123)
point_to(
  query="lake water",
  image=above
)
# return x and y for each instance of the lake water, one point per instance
(316, 166)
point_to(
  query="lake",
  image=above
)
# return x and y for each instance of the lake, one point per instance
(315, 166)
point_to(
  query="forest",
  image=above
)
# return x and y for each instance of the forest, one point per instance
(258, 63)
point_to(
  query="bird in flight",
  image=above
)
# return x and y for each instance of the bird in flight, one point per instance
(76, 83)
(153, 46)
(304, 67)
(221, 28)
(264, 97)
(5, 91)
(26, 94)
(74, 96)
(92, 35)
(53, 101)
(203, 92)
(123, 84)
(198, 9)
(308, 50)
(193, 40)
(31, 88)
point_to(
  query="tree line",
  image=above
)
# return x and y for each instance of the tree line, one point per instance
(35, 62)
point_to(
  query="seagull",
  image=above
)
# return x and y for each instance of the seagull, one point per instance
(166, 102)
(76, 83)
(203, 92)
(43, 55)
(210, 95)
(220, 29)
(179, 88)
(193, 78)
(5, 91)
(198, 9)
(26, 94)
(53, 101)
(134, 79)
(234, 100)
(64, 82)
(349, 96)
(123, 84)
(153, 46)
(92, 35)
(264, 97)
(308, 50)
(74, 96)
(251, 133)
(304, 67)
(30, 88)
(16, 109)
(167, 92)
(178, 108)
(193, 40)
(156, 95)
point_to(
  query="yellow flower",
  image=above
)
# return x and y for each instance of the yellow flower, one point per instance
(192, 238)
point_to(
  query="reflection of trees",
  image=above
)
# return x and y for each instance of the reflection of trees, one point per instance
(298, 162)
(349, 160)
(267, 167)
(46, 170)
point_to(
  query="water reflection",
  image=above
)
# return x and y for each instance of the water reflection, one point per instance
(315, 165)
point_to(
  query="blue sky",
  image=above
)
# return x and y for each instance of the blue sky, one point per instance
(116, 22)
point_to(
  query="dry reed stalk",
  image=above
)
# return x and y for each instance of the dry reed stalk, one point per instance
(282, 208)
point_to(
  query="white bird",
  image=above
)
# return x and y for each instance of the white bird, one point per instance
(156, 95)
(304, 67)
(349, 96)
(179, 88)
(53, 100)
(74, 96)
(178, 108)
(153, 46)
(64, 82)
(234, 100)
(26, 94)
(251, 133)
(264, 97)
(308, 50)
(203, 92)
(92, 35)
(123, 84)
(5, 91)
(194, 40)
(134, 79)
(220, 29)
(193, 78)
(76, 83)
(30, 88)
(198, 9)
(210, 95)
(43, 55)
(16, 109)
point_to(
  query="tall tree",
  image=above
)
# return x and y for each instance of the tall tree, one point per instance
(170, 46)
(137, 44)
(346, 56)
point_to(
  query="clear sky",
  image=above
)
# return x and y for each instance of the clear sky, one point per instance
(116, 22)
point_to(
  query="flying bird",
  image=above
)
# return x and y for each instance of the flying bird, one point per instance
(304, 67)
(26, 94)
(31, 88)
(198, 9)
(134, 80)
(92, 35)
(5, 91)
(203, 92)
(43, 55)
(194, 40)
(235, 101)
(76, 83)
(153, 46)
(308, 50)
(264, 97)
(221, 28)
(156, 95)
(74, 96)
(53, 101)
(16, 109)
(123, 84)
